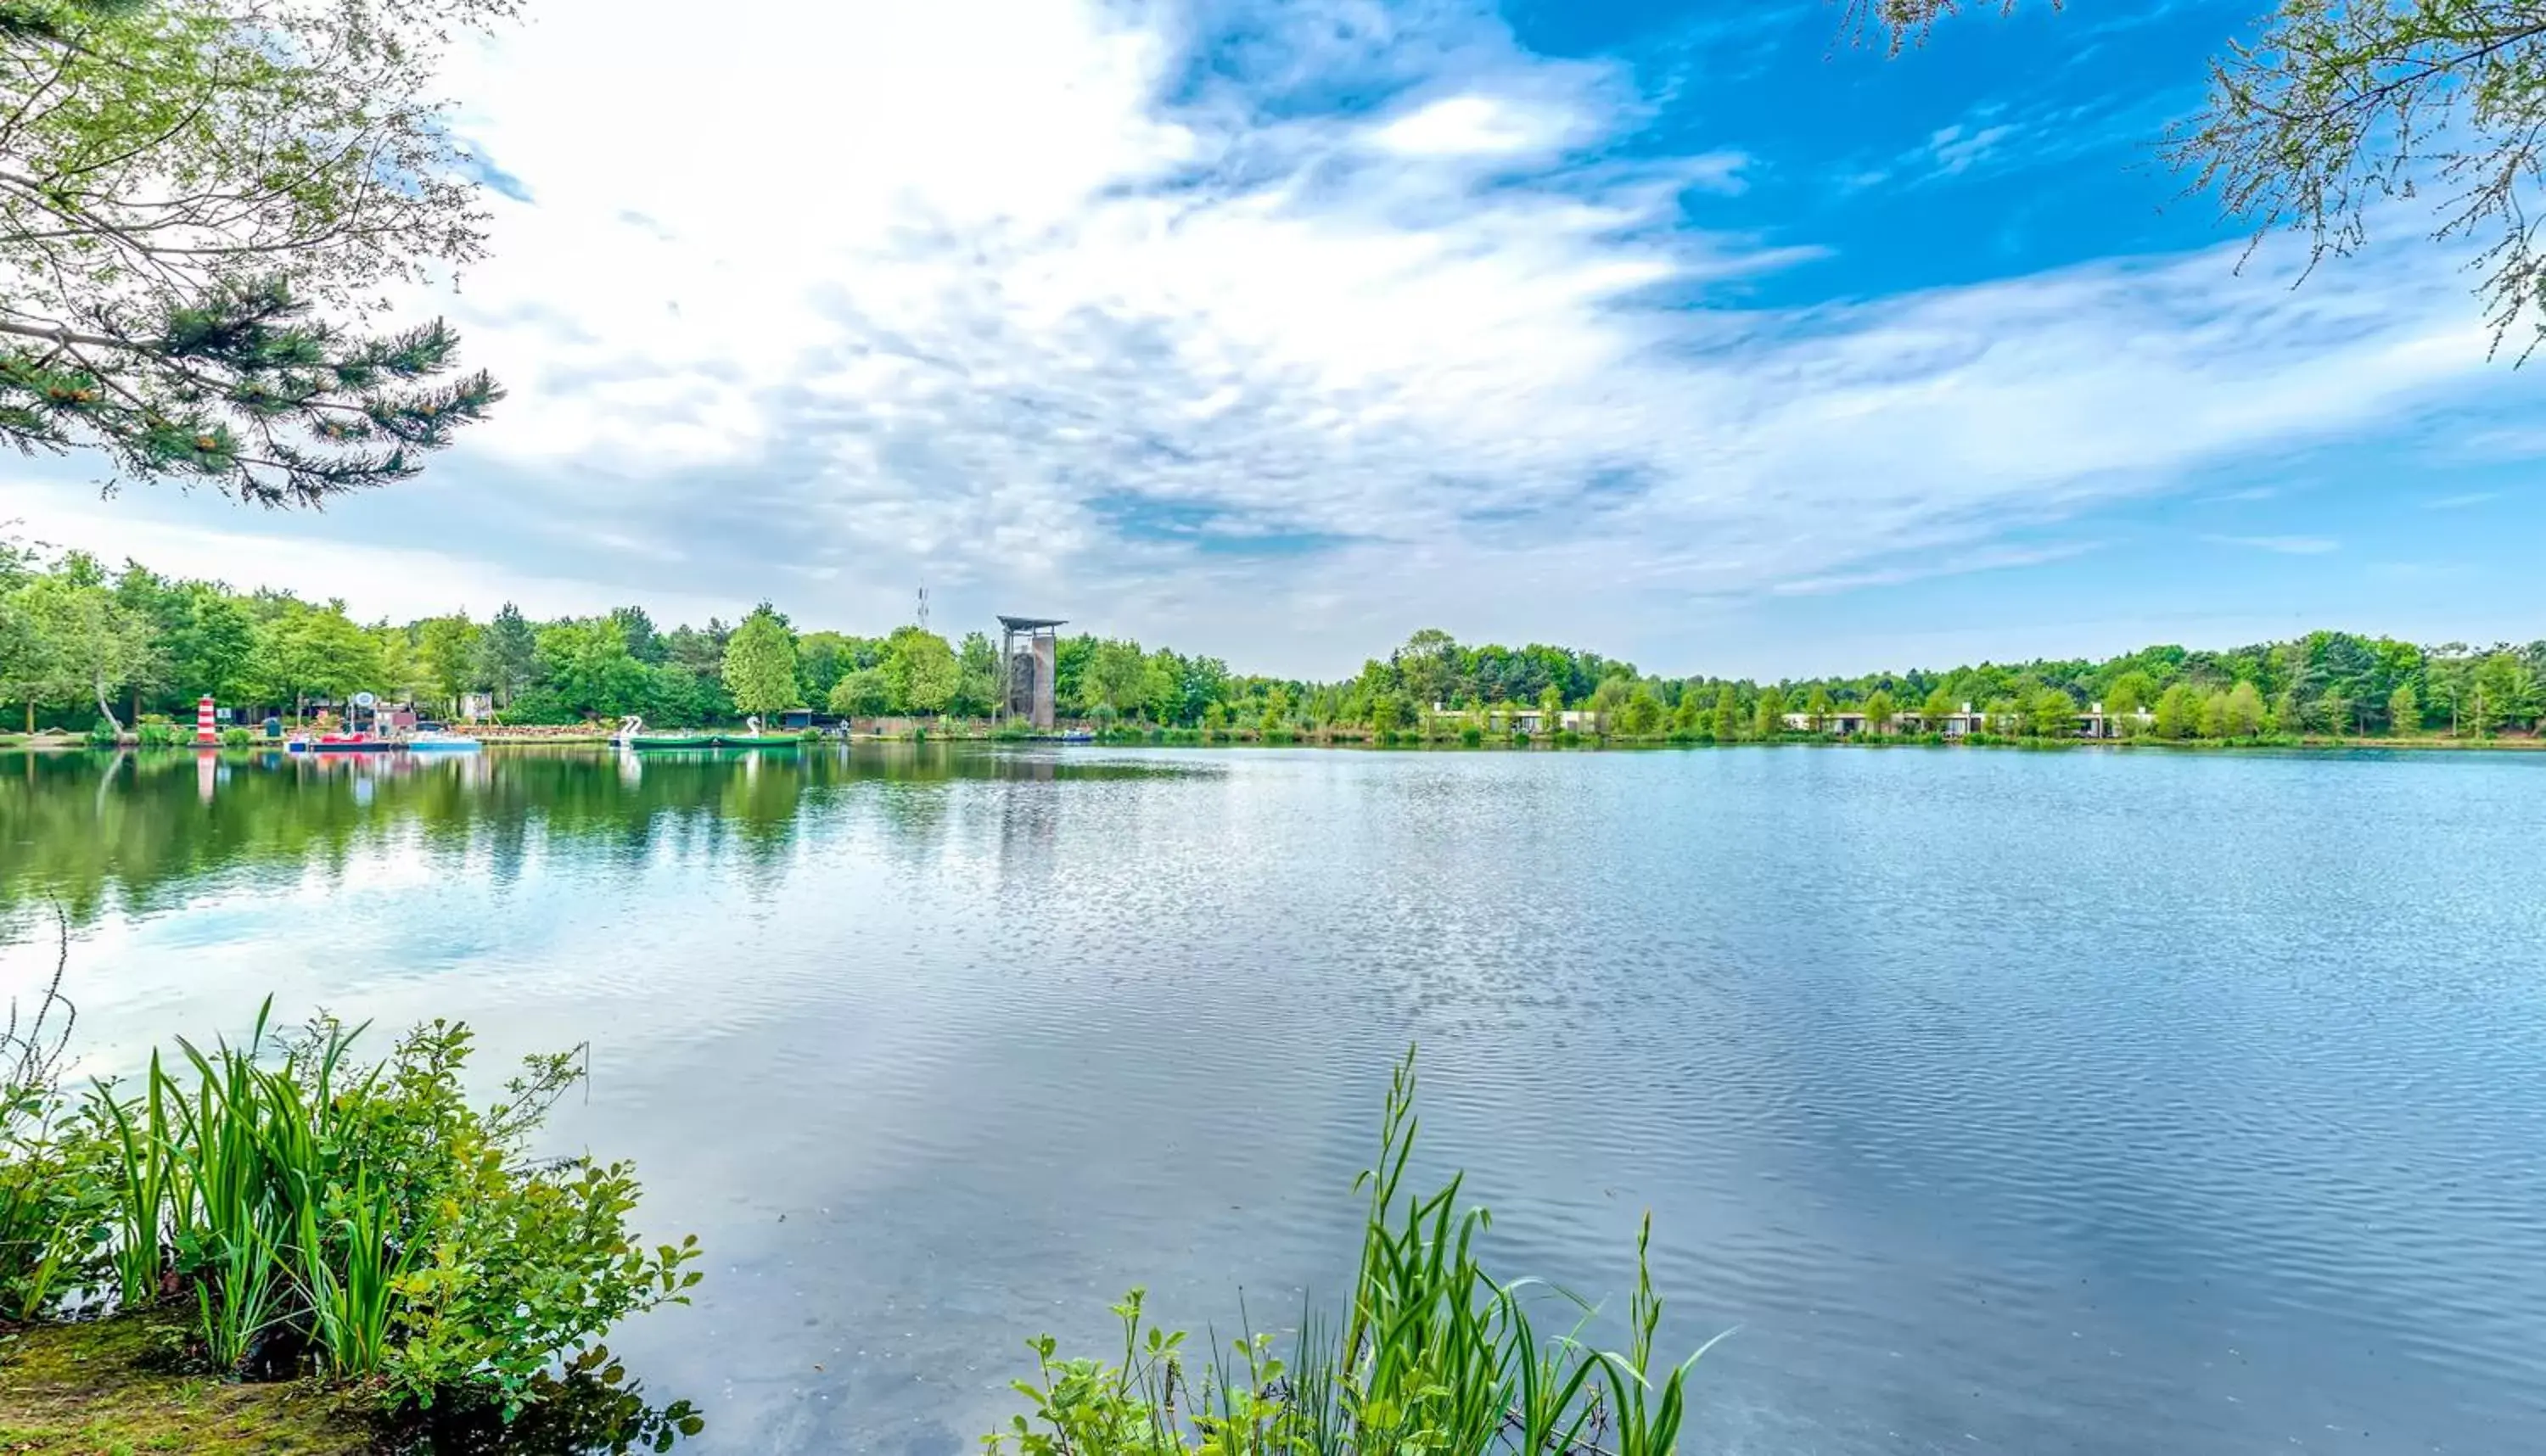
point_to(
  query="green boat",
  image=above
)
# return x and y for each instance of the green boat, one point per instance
(632, 735)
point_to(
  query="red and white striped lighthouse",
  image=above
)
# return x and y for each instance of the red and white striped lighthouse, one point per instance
(207, 733)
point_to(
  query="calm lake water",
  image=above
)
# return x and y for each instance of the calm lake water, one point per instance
(2006, 1102)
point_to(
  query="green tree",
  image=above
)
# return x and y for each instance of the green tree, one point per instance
(1116, 678)
(636, 628)
(211, 642)
(1550, 709)
(2334, 710)
(1641, 715)
(403, 677)
(2403, 711)
(976, 676)
(2050, 714)
(28, 674)
(191, 185)
(447, 646)
(2214, 715)
(760, 665)
(861, 692)
(508, 654)
(588, 670)
(2242, 715)
(2178, 712)
(1387, 713)
(92, 645)
(1727, 714)
(1770, 717)
(2289, 714)
(1818, 708)
(1688, 715)
(821, 659)
(921, 670)
(1879, 711)
(1938, 706)
(1428, 665)
(2504, 693)
(304, 653)
(2125, 696)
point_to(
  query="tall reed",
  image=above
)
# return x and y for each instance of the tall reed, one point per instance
(229, 1226)
(1431, 1356)
(350, 1309)
(145, 1187)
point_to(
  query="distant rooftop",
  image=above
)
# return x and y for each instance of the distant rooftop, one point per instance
(1032, 624)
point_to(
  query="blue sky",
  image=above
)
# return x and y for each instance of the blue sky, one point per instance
(1691, 334)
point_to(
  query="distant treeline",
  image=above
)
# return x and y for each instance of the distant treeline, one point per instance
(78, 641)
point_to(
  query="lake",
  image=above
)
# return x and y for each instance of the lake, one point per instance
(2058, 1102)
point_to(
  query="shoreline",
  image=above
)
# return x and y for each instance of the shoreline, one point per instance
(1200, 739)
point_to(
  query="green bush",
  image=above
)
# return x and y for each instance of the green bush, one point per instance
(1472, 737)
(159, 736)
(103, 734)
(363, 1222)
(540, 707)
(237, 737)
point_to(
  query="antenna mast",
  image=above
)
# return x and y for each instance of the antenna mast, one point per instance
(923, 609)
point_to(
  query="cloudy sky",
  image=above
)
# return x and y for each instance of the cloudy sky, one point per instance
(1278, 330)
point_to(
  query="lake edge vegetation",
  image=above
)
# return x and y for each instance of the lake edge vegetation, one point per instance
(280, 1213)
(1430, 1352)
(120, 656)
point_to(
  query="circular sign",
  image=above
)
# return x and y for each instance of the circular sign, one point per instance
(363, 700)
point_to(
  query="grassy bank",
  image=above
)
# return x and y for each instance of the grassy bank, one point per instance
(97, 1388)
(1356, 738)
(352, 1240)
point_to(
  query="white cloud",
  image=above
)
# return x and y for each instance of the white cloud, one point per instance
(1477, 126)
(1958, 148)
(1017, 300)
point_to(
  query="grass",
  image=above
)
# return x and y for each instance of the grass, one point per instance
(109, 1387)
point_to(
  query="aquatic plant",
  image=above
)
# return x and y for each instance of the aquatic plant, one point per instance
(1431, 1356)
(366, 1223)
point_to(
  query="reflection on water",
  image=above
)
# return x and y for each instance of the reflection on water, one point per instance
(139, 829)
(594, 1408)
(2095, 1104)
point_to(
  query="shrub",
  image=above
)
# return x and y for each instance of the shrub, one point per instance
(365, 1222)
(1472, 737)
(103, 734)
(237, 737)
(159, 736)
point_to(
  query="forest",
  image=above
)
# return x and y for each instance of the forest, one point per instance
(83, 646)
